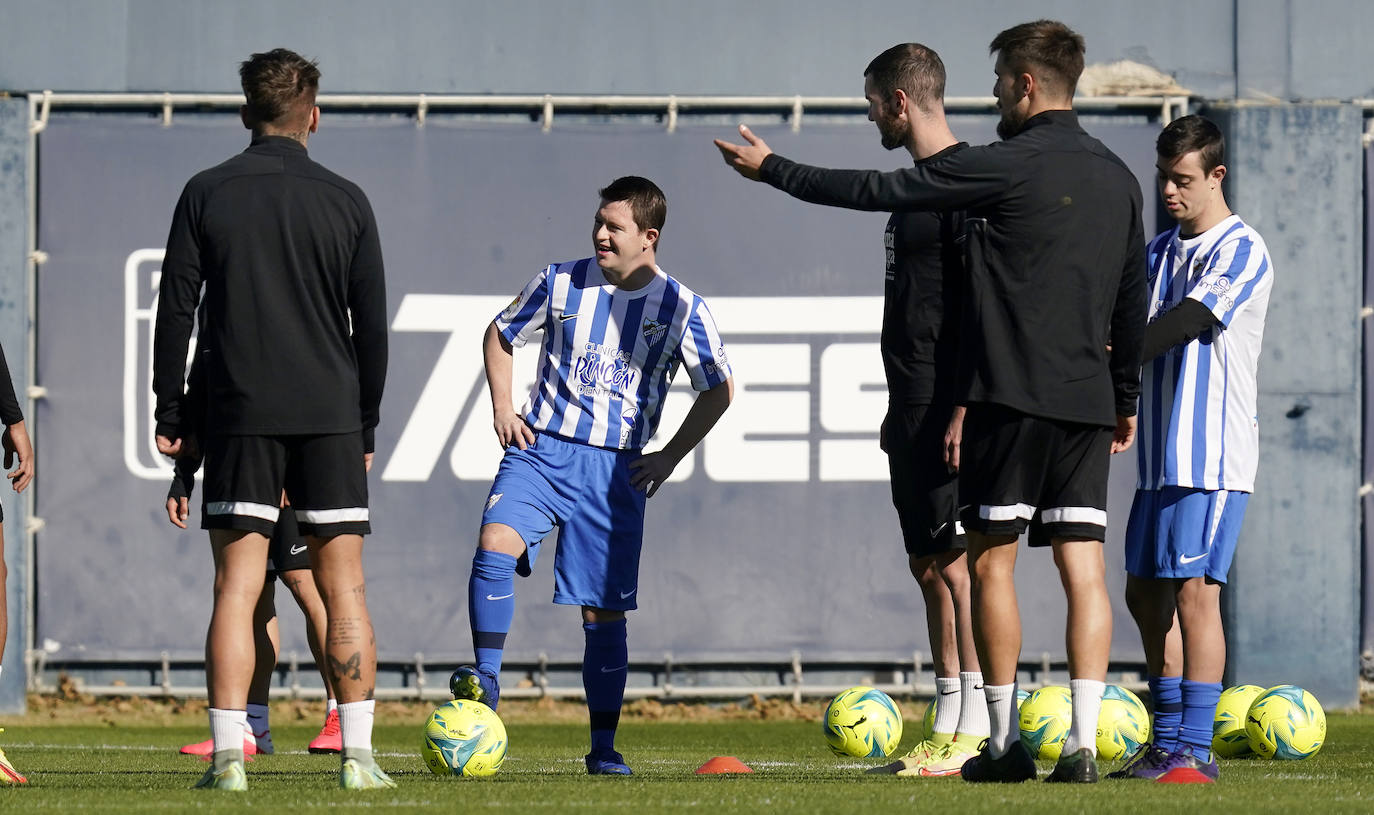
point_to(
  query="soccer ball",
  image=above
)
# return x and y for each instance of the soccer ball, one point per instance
(1045, 718)
(863, 722)
(1286, 722)
(1229, 739)
(464, 737)
(1122, 725)
(928, 724)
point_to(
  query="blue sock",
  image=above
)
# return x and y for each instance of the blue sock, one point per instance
(491, 606)
(1199, 713)
(1167, 695)
(605, 665)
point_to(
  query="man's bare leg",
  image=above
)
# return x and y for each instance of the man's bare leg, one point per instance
(996, 631)
(1088, 637)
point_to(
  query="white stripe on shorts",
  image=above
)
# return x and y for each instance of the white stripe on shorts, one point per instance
(267, 512)
(1218, 510)
(1074, 515)
(331, 516)
(1006, 513)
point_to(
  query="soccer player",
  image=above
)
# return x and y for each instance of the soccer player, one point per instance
(905, 88)
(1049, 365)
(295, 299)
(19, 455)
(287, 558)
(1210, 278)
(616, 328)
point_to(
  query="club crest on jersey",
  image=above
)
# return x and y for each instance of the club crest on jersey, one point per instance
(510, 311)
(653, 330)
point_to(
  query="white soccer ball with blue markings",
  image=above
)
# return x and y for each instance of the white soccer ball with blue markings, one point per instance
(464, 737)
(863, 722)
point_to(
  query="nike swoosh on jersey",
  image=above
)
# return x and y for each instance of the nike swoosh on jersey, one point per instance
(563, 318)
(625, 594)
(613, 670)
(296, 550)
(502, 597)
(937, 530)
(1186, 559)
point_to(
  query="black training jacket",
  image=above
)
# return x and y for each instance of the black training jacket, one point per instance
(9, 403)
(289, 255)
(1056, 261)
(921, 302)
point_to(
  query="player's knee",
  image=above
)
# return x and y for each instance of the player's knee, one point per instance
(591, 614)
(496, 537)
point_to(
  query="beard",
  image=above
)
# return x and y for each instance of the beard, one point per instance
(1009, 125)
(891, 135)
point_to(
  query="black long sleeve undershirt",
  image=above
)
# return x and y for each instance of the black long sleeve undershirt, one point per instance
(1184, 322)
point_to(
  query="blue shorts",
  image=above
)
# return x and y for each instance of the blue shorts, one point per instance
(1179, 532)
(584, 491)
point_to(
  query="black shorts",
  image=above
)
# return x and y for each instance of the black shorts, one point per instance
(1018, 471)
(924, 491)
(287, 552)
(324, 475)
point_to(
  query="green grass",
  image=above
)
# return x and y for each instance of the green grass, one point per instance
(111, 767)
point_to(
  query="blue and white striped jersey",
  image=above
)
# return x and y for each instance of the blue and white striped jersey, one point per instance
(609, 354)
(1199, 424)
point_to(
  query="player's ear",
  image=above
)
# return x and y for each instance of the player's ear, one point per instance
(651, 235)
(245, 117)
(314, 118)
(1217, 175)
(900, 101)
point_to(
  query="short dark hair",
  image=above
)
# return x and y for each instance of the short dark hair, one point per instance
(279, 85)
(1049, 45)
(914, 68)
(1189, 133)
(647, 203)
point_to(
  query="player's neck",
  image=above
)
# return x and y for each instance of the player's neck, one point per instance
(301, 136)
(637, 278)
(1208, 218)
(929, 140)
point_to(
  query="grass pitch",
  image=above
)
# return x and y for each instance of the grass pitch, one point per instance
(114, 763)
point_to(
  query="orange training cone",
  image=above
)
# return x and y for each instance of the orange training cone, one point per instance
(723, 764)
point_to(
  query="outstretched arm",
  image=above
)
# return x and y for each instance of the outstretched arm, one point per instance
(650, 471)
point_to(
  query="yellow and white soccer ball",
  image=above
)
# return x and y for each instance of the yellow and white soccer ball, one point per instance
(863, 722)
(1286, 722)
(1045, 718)
(464, 737)
(1122, 725)
(1229, 739)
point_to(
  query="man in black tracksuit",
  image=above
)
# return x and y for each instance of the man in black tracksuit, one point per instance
(18, 453)
(1049, 361)
(295, 302)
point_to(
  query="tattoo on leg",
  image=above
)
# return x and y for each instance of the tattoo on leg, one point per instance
(352, 669)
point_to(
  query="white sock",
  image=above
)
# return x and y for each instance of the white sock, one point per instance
(973, 713)
(947, 704)
(355, 721)
(1003, 725)
(227, 728)
(331, 706)
(260, 727)
(1087, 704)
